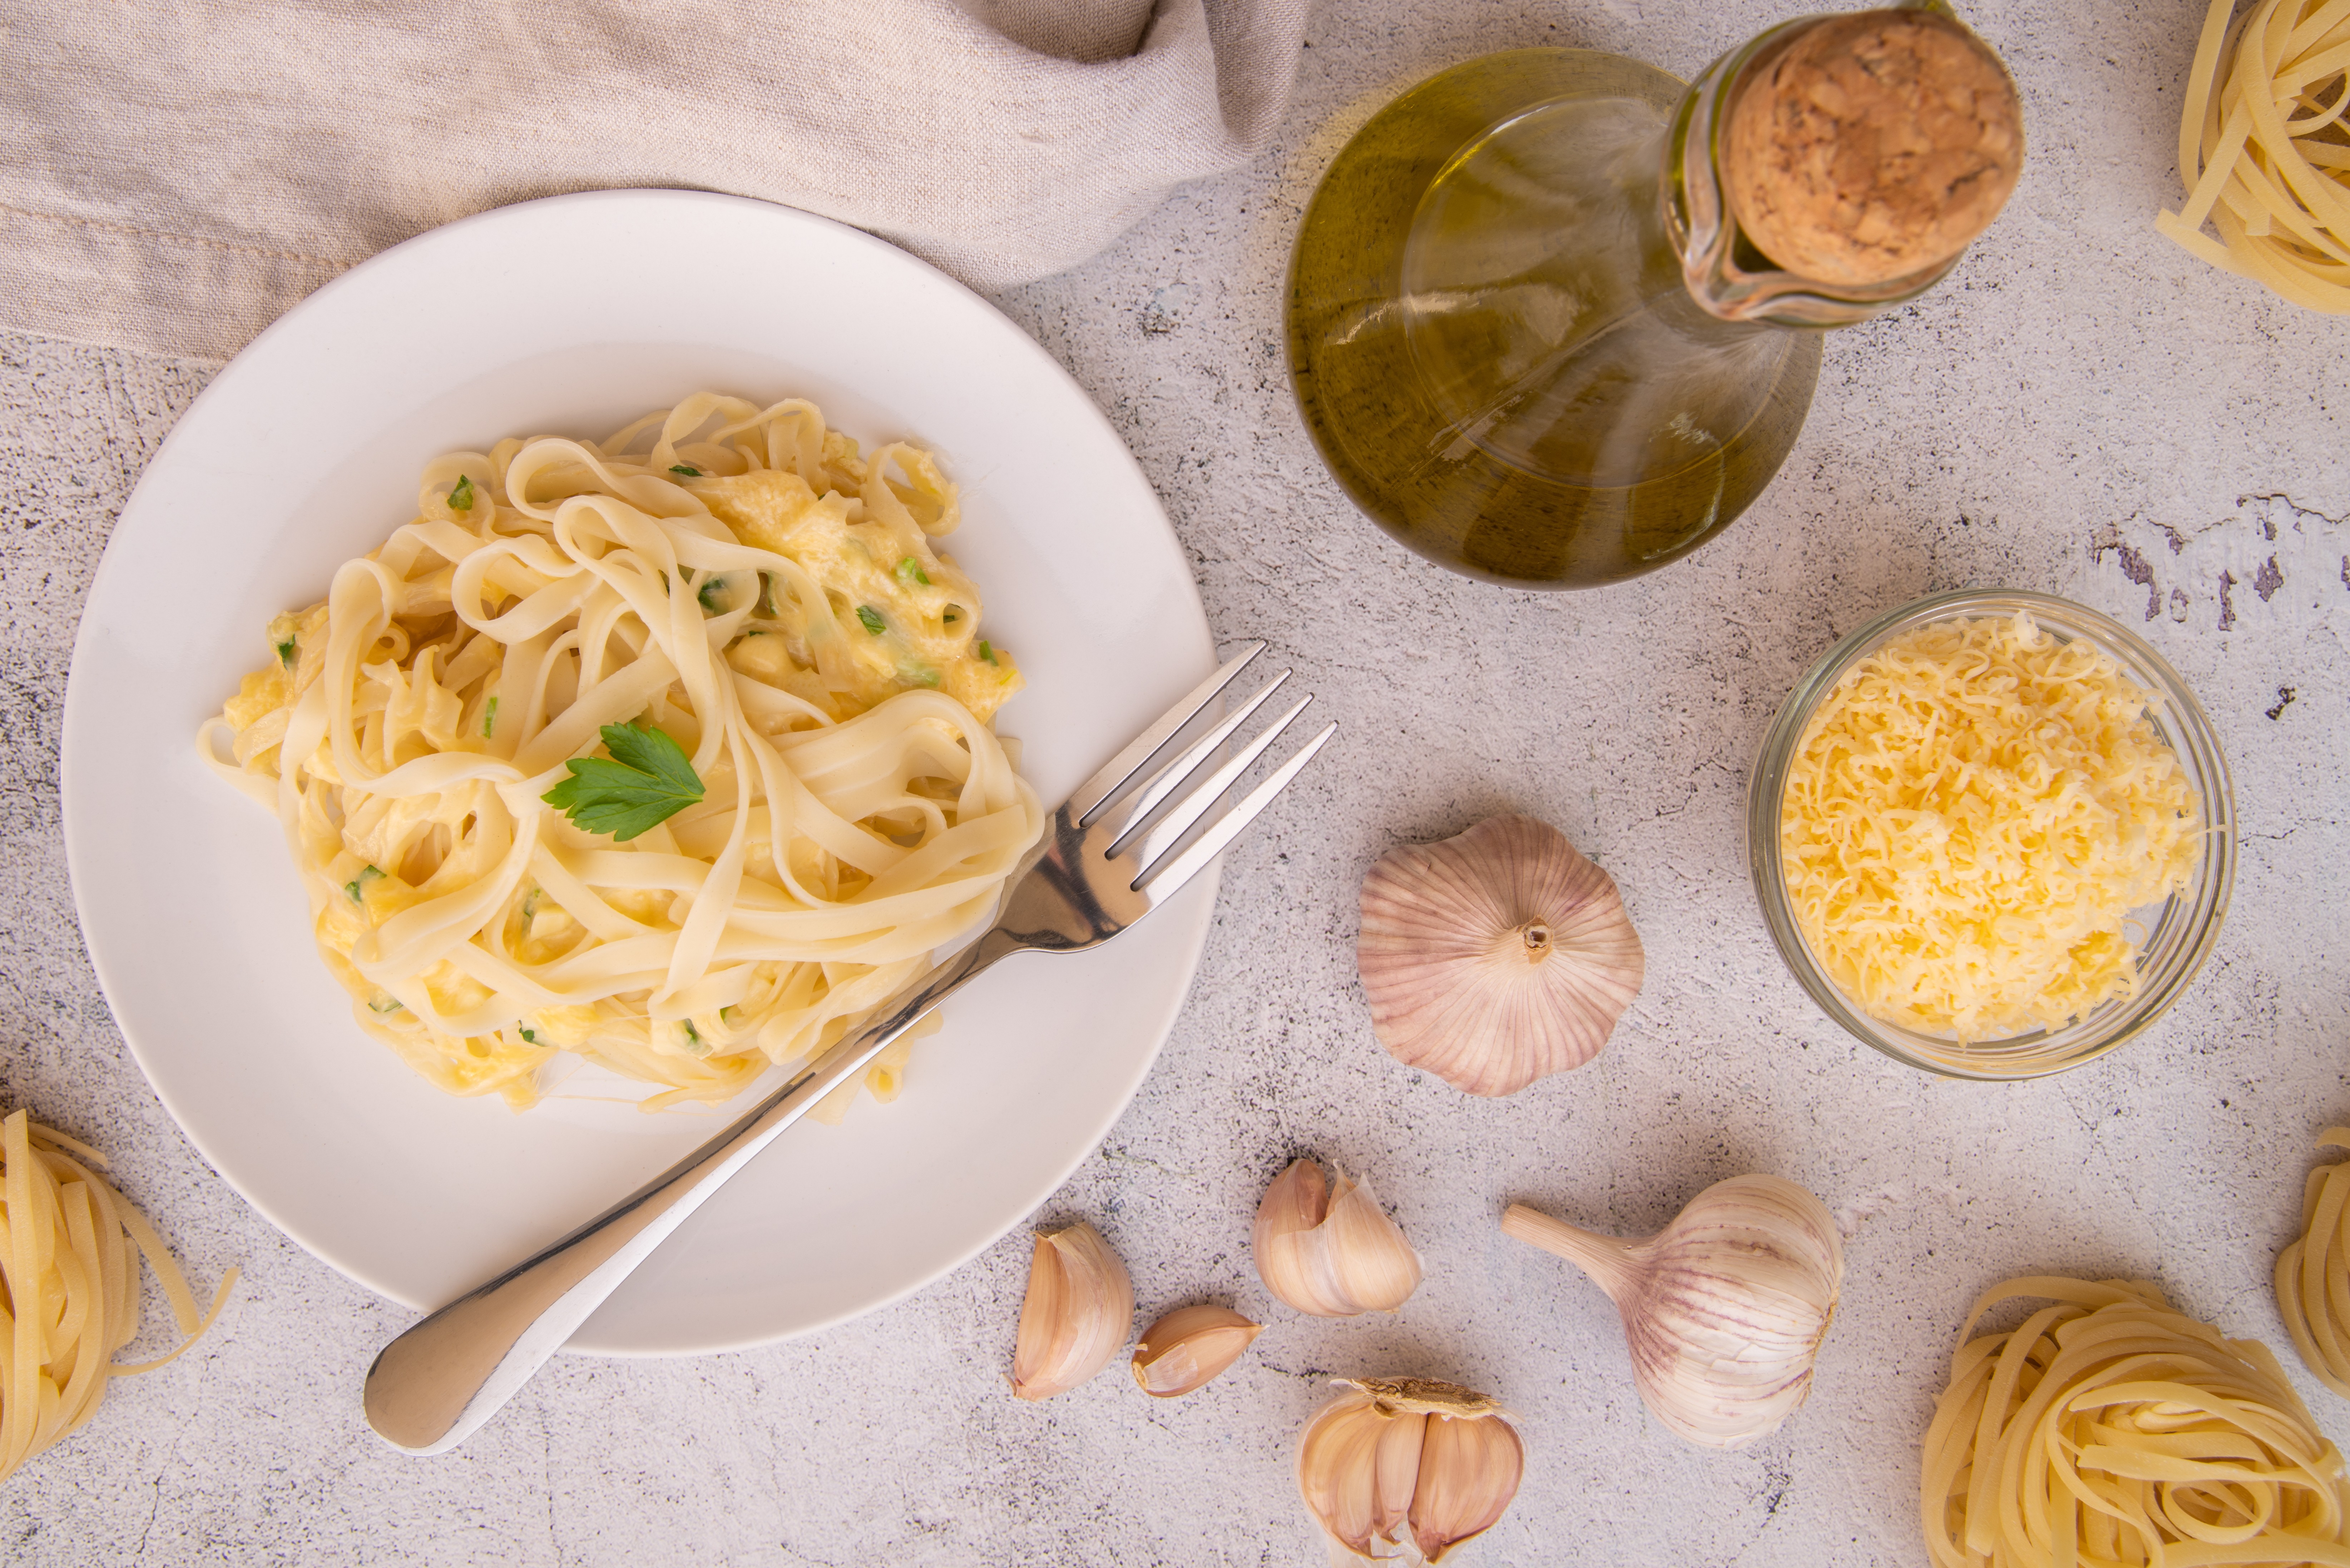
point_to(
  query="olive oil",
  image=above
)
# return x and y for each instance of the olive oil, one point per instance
(1493, 343)
(1530, 328)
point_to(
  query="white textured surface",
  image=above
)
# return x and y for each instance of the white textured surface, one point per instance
(2082, 411)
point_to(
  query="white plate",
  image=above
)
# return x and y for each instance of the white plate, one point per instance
(574, 314)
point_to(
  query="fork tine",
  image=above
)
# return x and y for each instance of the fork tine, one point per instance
(1202, 798)
(1172, 778)
(1120, 770)
(1164, 880)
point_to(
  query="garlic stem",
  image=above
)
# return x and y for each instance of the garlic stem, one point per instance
(1609, 1261)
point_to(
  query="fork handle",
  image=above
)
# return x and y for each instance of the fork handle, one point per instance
(439, 1381)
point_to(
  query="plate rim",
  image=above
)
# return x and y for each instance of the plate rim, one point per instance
(222, 391)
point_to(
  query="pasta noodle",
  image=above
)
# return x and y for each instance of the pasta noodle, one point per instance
(69, 1250)
(2263, 148)
(2111, 1431)
(1971, 815)
(737, 580)
(2312, 1274)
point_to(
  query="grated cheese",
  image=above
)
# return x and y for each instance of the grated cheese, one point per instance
(1972, 813)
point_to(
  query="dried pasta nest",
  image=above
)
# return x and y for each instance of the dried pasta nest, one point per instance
(2110, 1428)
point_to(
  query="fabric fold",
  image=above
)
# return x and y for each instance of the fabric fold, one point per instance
(172, 179)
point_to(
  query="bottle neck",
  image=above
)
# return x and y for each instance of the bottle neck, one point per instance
(1726, 273)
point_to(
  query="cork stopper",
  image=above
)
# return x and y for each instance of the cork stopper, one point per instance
(1872, 146)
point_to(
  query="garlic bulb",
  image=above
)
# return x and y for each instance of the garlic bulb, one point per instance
(1495, 958)
(1080, 1306)
(1723, 1309)
(1331, 1252)
(1409, 1463)
(1188, 1346)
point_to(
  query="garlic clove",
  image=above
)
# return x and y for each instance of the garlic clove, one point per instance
(1188, 1346)
(1407, 1465)
(1468, 1471)
(1724, 1310)
(1497, 957)
(1395, 1470)
(1078, 1308)
(1339, 1471)
(1330, 1252)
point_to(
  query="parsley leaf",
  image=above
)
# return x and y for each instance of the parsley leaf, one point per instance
(685, 469)
(489, 717)
(645, 782)
(985, 652)
(462, 498)
(909, 570)
(529, 1036)
(872, 620)
(285, 651)
(355, 885)
(715, 586)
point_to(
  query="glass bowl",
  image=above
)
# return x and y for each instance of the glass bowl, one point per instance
(2177, 936)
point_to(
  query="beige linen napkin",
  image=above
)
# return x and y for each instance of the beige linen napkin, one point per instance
(173, 175)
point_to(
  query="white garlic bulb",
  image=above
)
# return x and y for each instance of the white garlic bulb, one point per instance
(1407, 1465)
(1495, 958)
(1330, 1250)
(1079, 1305)
(1190, 1346)
(1723, 1309)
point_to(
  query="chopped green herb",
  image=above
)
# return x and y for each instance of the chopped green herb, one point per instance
(286, 653)
(646, 781)
(384, 1004)
(954, 614)
(489, 717)
(909, 570)
(686, 469)
(693, 1033)
(985, 652)
(717, 585)
(530, 902)
(462, 498)
(872, 620)
(367, 874)
(529, 1036)
(768, 595)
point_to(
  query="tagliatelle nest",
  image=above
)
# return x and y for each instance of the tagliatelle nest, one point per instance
(2264, 149)
(2111, 1428)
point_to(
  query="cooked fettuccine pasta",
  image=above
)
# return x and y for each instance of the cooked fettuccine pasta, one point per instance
(723, 643)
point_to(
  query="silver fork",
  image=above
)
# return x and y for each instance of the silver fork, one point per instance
(1115, 850)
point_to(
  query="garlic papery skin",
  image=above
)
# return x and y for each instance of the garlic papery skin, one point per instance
(1079, 1305)
(1497, 957)
(1328, 1250)
(1408, 1466)
(1724, 1310)
(1188, 1346)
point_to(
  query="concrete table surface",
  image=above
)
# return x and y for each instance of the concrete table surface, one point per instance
(2082, 409)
